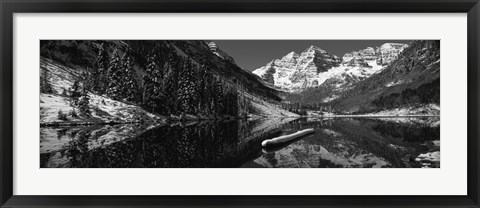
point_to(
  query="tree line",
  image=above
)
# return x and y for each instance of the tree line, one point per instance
(182, 86)
(302, 108)
(425, 94)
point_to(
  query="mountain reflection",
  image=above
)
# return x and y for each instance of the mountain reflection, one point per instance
(336, 143)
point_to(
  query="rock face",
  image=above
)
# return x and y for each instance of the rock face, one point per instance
(364, 54)
(388, 52)
(213, 46)
(383, 54)
(315, 66)
(297, 71)
(215, 50)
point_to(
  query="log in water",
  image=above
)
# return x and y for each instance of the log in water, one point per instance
(286, 138)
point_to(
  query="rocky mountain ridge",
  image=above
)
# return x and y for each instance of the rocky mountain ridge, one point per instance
(411, 81)
(413, 78)
(313, 67)
(383, 54)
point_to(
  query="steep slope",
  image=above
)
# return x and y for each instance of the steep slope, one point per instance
(316, 68)
(411, 79)
(80, 57)
(223, 65)
(217, 51)
(82, 53)
(104, 109)
(295, 71)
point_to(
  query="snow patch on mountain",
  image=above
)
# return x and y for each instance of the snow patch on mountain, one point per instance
(103, 109)
(60, 77)
(331, 98)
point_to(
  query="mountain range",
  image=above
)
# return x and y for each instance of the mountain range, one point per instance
(392, 75)
(359, 81)
(311, 68)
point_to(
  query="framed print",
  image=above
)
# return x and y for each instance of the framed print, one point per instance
(248, 104)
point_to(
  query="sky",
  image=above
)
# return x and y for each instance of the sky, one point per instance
(253, 54)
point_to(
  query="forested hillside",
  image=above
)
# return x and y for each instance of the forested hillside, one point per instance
(412, 79)
(171, 78)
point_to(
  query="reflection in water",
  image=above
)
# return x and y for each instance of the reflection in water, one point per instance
(336, 143)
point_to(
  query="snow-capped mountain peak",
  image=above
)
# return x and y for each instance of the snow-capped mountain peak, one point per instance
(313, 48)
(312, 67)
(390, 46)
(291, 55)
(388, 52)
(292, 70)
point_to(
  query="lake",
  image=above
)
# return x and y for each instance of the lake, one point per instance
(336, 143)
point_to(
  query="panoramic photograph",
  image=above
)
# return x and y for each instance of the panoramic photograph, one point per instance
(239, 104)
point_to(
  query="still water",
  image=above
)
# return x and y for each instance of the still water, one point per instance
(336, 143)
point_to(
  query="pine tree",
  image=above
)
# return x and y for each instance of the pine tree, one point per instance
(152, 86)
(230, 102)
(208, 96)
(115, 76)
(130, 90)
(85, 78)
(217, 97)
(202, 89)
(62, 116)
(187, 91)
(98, 75)
(171, 83)
(83, 103)
(74, 93)
(73, 113)
(148, 83)
(45, 85)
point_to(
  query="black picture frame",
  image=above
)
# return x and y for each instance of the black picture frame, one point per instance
(9, 7)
